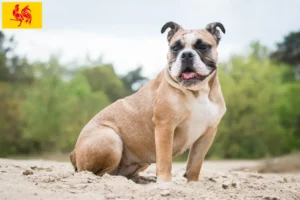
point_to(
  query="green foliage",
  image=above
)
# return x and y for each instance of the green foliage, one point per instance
(134, 79)
(288, 51)
(103, 78)
(10, 122)
(15, 77)
(289, 113)
(254, 92)
(55, 110)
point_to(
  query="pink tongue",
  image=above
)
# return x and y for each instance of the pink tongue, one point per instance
(188, 75)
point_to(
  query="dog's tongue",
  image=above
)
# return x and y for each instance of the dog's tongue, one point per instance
(189, 75)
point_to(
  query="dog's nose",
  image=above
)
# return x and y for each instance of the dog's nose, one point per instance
(187, 55)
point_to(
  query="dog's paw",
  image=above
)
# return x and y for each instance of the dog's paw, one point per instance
(144, 179)
(149, 178)
(192, 182)
(164, 185)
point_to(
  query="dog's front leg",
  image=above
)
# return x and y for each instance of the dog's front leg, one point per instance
(197, 154)
(164, 147)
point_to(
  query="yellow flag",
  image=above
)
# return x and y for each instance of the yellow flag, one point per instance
(18, 15)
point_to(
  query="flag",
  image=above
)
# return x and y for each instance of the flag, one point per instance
(19, 15)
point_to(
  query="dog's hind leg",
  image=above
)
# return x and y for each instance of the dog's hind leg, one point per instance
(135, 177)
(73, 160)
(132, 172)
(99, 151)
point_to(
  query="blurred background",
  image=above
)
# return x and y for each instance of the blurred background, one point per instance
(90, 53)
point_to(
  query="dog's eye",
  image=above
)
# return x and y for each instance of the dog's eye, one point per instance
(202, 47)
(175, 48)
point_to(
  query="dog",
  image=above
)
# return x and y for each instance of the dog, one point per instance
(178, 110)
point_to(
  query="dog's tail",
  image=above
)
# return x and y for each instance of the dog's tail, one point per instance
(73, 160)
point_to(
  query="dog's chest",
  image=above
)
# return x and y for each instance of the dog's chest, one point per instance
(202, 114)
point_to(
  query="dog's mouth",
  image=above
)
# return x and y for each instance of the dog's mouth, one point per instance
(189, 75)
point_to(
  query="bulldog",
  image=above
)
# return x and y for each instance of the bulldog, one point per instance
(178, 110)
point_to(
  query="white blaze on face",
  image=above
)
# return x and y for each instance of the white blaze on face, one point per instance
(176, 67)
(189, 39)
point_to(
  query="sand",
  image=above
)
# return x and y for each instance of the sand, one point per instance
(40, 179)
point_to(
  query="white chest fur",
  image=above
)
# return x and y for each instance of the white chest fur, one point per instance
(203, 114)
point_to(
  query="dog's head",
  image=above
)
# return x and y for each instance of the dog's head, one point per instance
(192, 55)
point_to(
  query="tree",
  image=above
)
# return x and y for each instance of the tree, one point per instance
(10, 121)
(4, 72)
(289, 112)
(15, 78)
(85, 103)
(43, 108)
(134, 79)
(13, 68)
(251, 128)
(103, 78)
(56, 110)
(288, 51)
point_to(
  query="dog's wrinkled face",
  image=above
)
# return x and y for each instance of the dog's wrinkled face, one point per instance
(192, 55)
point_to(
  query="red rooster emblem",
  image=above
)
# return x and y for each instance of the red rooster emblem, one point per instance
(25, 14)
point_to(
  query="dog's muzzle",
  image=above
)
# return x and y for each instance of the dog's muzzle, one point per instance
(188, 71)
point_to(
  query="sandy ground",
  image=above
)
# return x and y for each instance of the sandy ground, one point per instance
(40, 179)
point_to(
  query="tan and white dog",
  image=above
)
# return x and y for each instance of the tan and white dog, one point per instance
(180, 109)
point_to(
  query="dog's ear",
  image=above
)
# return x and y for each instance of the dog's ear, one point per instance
(174, 28)
(212, 28)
